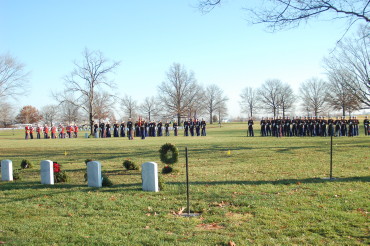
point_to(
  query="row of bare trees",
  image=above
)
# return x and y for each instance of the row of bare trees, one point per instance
(315, 97)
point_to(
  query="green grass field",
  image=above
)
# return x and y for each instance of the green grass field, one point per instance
(268, 191)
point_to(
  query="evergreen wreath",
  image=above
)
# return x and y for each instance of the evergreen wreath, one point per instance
(167, 157)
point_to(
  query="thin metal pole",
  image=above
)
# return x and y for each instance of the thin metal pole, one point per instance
(187, 180)
(331, 156)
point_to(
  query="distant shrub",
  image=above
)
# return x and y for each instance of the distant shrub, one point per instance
(106, 181)
(161, 183)
(17, 174)
(167, 169)
(26, 164)
(130, 165)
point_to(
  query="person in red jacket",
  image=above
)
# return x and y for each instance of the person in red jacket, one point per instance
(72, 130)
(53, 132)
(26, 131)
(76, 130)
(31, 131)
(46, 131)
(38, 130)
(68, 129)
(62, 133)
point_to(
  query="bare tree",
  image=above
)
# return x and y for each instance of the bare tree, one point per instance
(179, 91)
(269, 95)
(313, 95)
(353, 57)
(28, 115)
(6, 114)
(286, 98)
(249, 102)
(198, 105)
(129, 105)
(278, 14)
(49, 113)
(13, 77)
(69, 112)
(150, 107)
(212, 98)
(104, 104)
(88, 76)
(339, 97)
(221, 110)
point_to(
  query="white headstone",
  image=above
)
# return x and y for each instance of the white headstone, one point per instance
(94, 178)
(47, 172)
(6, 170)
(149, 174)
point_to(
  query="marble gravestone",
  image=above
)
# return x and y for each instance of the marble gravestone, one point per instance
(149, 175)
(6, 170)
(94, 178)
(47, 172)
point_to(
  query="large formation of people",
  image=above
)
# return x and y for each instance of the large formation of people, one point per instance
(309, 126)
(140, 129)
(143, 129)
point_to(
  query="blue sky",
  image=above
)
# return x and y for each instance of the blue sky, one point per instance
(148, 36)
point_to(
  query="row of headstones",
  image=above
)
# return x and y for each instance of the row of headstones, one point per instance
(94, 177)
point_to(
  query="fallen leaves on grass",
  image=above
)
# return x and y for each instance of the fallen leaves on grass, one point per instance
(211, 226)
(220, 204)
(362, 211)
(179, 212)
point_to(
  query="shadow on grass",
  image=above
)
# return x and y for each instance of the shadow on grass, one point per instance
(276, 182)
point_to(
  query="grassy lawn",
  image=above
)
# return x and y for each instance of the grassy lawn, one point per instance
(268, 191)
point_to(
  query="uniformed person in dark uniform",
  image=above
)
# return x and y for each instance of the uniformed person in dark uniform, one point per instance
(166, 128)
(263, 127)
(250, 128)
(130, 130)
(197, 127)
(331, 127)
(102, 130)
(324, 123)
(192, 126)
(123, 129)
(268, 127)
(295, 126)
(142, 128)
(343, 126)
(115, 130)
(175, 130)
(186, 128)
(137, 129)
(96, 130)
(159, 129)
(203, 126)
(108, 133)
(366, 126)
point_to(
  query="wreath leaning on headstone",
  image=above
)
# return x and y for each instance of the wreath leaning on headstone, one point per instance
(169, 154)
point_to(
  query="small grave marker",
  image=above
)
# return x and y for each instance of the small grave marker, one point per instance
(47, 172)
(6, 170)
(149, 174)
(94, 178)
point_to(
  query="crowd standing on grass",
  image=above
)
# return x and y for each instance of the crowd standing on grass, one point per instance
(69, 131)
(139, 128)
(309, 126)
(143, 129)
